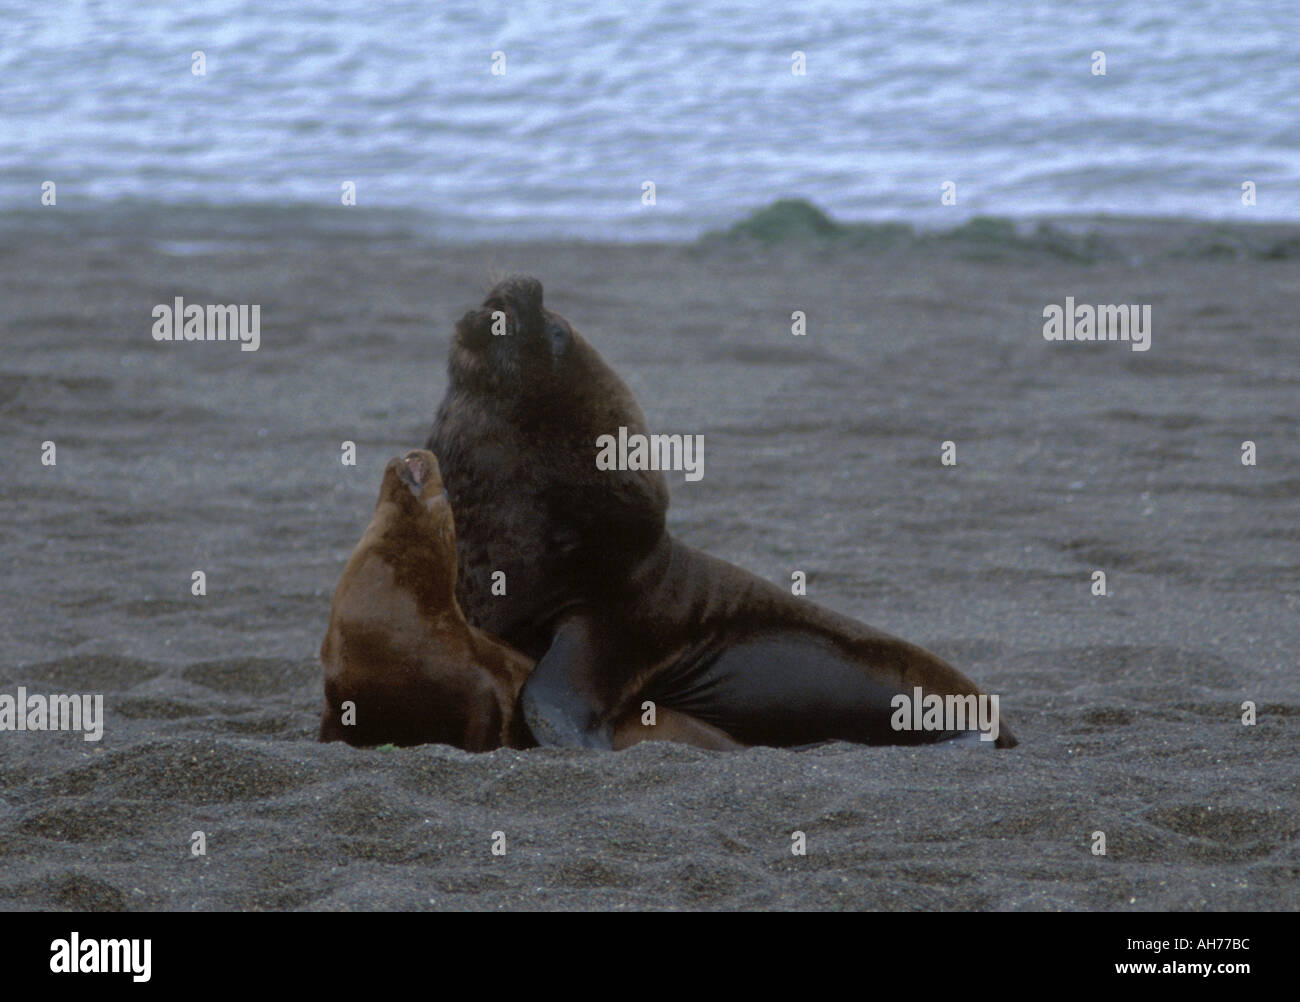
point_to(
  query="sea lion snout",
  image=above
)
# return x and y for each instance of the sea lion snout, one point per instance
(511, 340)
(474, 329)
(417, 471)
(519, 296)
(421, 467)
(513, 307)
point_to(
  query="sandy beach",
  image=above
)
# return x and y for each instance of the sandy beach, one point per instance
(823, 455)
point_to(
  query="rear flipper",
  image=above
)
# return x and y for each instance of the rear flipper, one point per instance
(796, 689)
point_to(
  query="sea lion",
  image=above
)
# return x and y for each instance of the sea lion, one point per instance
(614, 608)
(398, 646)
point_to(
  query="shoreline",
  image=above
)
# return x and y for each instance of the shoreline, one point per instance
(785, 222)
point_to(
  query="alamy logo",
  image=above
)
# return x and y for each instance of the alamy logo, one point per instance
(179, 322)
(651, 452)
(52, 713)
(1098, 323)
(920, 712)
(75, 955)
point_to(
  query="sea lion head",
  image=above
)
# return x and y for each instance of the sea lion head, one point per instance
(518, 434)
(525, 356)
(415, 474)
(512, 345)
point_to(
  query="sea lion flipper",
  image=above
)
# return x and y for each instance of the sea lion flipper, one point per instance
(555, 709)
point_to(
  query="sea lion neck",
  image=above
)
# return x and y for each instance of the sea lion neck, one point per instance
(419, 544)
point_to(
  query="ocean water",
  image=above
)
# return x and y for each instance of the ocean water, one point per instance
(898, 98)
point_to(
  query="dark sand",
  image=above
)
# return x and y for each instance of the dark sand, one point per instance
(822, 454)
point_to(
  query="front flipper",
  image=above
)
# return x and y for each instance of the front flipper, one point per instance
(556, 706)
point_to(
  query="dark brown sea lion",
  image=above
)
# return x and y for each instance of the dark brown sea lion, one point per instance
(399, 648)
(614, 608)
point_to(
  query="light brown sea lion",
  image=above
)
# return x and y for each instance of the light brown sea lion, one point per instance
(399, 649)
(616, 610)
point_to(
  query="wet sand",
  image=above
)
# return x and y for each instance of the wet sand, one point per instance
(822, 454)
